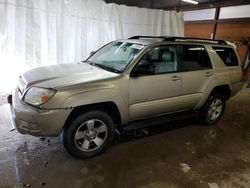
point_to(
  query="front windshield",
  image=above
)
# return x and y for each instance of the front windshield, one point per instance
(115, 56)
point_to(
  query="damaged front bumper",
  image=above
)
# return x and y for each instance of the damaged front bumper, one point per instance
(34, 121)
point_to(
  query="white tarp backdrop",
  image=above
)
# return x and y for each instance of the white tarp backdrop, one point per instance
(43, 32)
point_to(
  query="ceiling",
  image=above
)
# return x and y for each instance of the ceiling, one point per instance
(178, 4)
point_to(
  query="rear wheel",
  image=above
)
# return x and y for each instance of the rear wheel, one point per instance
(89, 134)
(213, 109)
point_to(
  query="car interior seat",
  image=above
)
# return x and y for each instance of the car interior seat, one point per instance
(167, 64)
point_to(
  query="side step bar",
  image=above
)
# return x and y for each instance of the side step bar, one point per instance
(159, 120)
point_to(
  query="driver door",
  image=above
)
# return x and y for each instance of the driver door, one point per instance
(155, 83)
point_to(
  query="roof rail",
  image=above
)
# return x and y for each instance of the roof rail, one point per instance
(149, 37)
(167, 38)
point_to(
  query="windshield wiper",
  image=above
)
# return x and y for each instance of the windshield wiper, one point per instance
(87, 61)
(110, 69)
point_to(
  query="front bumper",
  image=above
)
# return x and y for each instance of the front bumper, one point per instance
(34, 121)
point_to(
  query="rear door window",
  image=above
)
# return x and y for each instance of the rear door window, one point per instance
(195, 57)
(227, 55)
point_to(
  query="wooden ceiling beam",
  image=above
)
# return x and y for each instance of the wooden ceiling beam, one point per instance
(212, 4)
(220, 20)
(165, 5)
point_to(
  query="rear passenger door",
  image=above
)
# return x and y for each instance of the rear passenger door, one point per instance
(197, 73)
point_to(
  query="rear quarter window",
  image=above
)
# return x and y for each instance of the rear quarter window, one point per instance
(227, 55)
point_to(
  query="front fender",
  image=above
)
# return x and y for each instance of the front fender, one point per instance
(99, 96)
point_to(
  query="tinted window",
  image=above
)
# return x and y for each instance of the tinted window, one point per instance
(161, 59)
(195, 58)
(227, 55)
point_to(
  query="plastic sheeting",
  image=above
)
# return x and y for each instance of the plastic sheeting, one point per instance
(41, 32)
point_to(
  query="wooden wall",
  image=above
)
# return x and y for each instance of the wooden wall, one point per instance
(198, 29)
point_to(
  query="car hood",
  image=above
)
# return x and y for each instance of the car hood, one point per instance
(63, 75)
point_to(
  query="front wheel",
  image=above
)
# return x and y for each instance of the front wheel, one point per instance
(213, 109)
(89, 134)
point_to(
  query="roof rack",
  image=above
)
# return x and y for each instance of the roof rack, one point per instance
(166, 38)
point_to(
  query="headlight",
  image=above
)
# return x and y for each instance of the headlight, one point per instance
(37, 96)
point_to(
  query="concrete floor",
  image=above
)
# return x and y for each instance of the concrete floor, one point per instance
(212, 156)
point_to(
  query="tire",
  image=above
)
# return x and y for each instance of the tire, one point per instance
(213, 109)
(88, 134)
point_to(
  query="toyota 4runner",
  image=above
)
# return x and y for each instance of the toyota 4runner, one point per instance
(129, 84)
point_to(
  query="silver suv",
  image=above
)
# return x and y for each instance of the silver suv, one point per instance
(127, 83)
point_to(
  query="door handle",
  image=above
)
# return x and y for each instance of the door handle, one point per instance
(175, 78)
(208, 74)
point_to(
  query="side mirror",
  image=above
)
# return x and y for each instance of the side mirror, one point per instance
(91, 53)
(142, 69)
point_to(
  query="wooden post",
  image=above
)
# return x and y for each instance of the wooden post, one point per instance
(216, 18)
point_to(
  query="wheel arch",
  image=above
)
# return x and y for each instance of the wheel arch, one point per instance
(109, 107)
(222, 89)
(219, 85)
